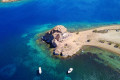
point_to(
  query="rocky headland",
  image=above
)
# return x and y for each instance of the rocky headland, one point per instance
(67, 44)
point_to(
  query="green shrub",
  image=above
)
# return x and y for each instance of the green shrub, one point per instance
(117, 45)
(95, 30)
(102, 41)
(102, 31)
(77, 32)
(110, 43)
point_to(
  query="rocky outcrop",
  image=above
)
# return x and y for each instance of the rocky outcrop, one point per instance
(62, 41)
(55, 35)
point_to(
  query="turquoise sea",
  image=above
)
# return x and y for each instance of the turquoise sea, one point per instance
(21, 21)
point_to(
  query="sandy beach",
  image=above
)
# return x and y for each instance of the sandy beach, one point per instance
(109, 40)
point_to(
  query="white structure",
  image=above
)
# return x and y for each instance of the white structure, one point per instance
(40, 70)
(70, 70)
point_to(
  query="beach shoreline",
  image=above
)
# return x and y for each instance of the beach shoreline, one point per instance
(105, 37)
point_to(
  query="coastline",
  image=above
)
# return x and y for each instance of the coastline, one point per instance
(106, 54)
(79, 39)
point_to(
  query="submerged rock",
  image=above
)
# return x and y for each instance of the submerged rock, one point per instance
(36, 78)
(67, 78)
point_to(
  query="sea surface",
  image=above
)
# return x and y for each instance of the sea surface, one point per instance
(21, 21)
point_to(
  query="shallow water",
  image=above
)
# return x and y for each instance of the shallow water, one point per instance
(21, 21)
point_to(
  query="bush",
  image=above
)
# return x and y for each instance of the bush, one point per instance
(77, 32)
(95, 30)
(110, 43)
(102, 31)
(117, 45)
(102, 41)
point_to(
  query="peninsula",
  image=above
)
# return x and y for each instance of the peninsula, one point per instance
(69, 43)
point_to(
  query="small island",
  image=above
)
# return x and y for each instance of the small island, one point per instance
(67, 43)
(8, 0)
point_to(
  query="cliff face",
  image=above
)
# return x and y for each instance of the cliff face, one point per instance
(55, 35)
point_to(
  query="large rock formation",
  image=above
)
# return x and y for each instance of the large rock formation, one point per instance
(55, 35)
(62, 41)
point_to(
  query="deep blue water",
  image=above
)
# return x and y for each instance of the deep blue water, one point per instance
(17, 60)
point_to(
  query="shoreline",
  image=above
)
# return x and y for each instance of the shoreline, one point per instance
(77, 40)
